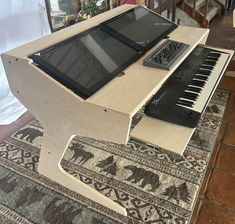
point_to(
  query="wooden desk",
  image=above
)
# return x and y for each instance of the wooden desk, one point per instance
(105, 115)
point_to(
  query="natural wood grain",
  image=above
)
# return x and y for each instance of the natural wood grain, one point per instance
(63, 115)
(164, 134)
(106, 115)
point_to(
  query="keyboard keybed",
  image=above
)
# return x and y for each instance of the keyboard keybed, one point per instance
(204, 80)
(184, 96)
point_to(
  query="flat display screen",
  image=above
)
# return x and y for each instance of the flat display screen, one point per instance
(141, 26)
(87, 61)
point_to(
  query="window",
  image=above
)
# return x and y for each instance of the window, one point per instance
(59, 9)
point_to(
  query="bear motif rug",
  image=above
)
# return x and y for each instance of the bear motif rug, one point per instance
(154, 185)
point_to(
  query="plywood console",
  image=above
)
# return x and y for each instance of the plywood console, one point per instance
(105, 115)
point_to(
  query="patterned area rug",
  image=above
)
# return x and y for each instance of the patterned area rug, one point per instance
(154, 185)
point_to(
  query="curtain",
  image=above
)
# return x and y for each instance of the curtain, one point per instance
(21, 21)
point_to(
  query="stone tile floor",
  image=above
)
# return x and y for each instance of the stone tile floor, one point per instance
(216, 200)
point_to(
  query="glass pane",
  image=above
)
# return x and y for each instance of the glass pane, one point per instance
(141, 26)
(87, 62)
(60, 9)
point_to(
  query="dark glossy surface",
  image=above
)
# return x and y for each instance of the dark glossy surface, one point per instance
(86, 62)
(141, 26)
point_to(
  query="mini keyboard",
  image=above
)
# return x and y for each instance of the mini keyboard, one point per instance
(166, 55)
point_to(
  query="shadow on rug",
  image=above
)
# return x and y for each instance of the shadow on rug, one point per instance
(154, 185)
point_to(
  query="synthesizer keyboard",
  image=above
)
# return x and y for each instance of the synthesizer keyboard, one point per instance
(184, 96)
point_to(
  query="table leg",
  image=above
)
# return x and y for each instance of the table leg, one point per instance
(54, 145)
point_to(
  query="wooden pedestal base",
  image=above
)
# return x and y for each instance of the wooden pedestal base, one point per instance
(49, 166)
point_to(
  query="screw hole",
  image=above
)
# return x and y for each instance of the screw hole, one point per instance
(105, 110)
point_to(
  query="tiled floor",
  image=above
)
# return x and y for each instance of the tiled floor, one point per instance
(216, 200)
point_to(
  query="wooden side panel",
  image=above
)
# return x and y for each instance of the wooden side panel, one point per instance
(63, 115)
(55, 105)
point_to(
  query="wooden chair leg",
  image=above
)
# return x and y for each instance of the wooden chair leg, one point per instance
(54, 145)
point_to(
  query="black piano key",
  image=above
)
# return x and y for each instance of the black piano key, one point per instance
(203, 72)
(189, 97)
(207, 67)
(197, 83)
(186, 93)
(209, 62)
(185, 103)
(194, 89)
(214, 54)
(212, 58)
(201, 77)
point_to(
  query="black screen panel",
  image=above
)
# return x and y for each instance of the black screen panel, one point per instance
(87, 61)
(141, 26)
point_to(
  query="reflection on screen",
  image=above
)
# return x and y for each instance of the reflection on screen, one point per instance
(140, 26)
(90, 58)
(86, 62)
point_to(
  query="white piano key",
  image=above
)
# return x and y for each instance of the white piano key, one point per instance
(209, 86)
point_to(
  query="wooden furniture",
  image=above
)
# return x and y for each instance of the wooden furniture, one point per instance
(106, 115)
(202, 11)
(164, 5)
(234, 18)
